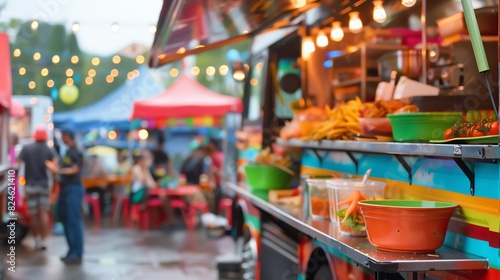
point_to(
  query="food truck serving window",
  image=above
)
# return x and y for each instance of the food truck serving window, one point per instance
(22, 126)
(185, 26)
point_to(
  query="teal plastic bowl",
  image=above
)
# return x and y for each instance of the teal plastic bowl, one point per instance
(265, 178)
(422, 127)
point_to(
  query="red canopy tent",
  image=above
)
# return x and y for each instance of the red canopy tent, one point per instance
(186, 98)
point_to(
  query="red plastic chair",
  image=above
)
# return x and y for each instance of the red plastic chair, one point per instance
(123, 201)
(193, 208)
(93, 200)
(147, 218)
(226, 206)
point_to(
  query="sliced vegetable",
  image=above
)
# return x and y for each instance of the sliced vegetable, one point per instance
(352, 209)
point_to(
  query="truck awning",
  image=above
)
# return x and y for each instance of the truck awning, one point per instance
(187, 27)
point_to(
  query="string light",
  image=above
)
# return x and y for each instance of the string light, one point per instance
(32, 85)
(44, 72)
(92, 73)
(116, 59)
(337, 33)
(174, 72)
(112, 135)
(307, 47)
(17, 53)
(56, 59)
(50, 83)
(254, 82)
(75, 27)
(143, 134)
(355, 23)
(181, 50)
(195, 71)
(136, 73)
(299, 3)
(379, 14)
(75, 59)
(69, 72)
(223, 70)
(109, 79)
(130, 75)
(321, 39)
(50, 109)
(96, 61)
(70, 82)
(140, 59)
(34, 25)
(89, 80)
(239, 75)
(37, 56)
(408, 3)
(22, 71)
(152, 29)
(115, 27)
(210, 71)
(114, 73)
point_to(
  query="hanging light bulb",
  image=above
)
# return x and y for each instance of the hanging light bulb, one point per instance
(379, 14)
(337, 33)
(321, 39)
(355, 23)
(75, 27)
(408, 3)
(307, 47)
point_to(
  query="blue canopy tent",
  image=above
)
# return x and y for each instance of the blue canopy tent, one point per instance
(112, 111)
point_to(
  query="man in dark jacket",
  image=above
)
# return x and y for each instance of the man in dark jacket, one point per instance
(70, 196)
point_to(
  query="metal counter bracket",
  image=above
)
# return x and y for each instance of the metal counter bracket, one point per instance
(354, 160)
(318, 156)
(469, 172)
(406, 166)
(388, 276)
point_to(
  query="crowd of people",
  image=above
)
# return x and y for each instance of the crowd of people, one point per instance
(146, 169)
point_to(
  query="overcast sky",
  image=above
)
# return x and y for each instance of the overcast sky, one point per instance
(95, 18)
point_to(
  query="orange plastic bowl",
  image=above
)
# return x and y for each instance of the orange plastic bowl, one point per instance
(411, 226)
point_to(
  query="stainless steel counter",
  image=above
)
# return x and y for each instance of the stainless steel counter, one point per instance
(359, 248)
(395, 148)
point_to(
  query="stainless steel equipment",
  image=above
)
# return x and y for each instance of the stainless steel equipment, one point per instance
(406, 62)
(460, 75)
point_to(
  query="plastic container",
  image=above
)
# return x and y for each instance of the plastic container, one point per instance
(376, 127)
(422, 127)
(318, 198)
(410, 226)
(344, 196)
(265, 178)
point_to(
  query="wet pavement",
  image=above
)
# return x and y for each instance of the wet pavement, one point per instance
(126, 254)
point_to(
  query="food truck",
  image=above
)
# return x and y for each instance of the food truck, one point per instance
(38, 111)
(351, 90)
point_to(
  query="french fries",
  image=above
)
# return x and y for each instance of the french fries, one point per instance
(342, 121)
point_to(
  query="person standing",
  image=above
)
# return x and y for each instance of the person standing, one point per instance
(37, 187)
(162, 166)
(70, 197)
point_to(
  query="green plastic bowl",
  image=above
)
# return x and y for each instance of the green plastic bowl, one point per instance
(422, 127)
(262, 177)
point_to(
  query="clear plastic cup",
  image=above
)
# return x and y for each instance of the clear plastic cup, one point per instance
(318, 198)
(344, 196)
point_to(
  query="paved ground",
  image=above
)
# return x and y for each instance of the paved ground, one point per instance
(126, 254)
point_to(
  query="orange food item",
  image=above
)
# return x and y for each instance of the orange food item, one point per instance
(320, 207)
